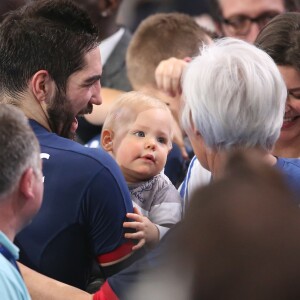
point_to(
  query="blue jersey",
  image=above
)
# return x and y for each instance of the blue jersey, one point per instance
(290, 167)
(85, 202)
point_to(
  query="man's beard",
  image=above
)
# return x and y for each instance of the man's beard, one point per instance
(61, 116)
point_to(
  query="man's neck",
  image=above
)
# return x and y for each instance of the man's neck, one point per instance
(218, 159)
(35, 110)
(108, 27)
(31, 107)
(8, 219)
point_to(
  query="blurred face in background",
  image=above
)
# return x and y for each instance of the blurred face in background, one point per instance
(291, 125)
(244, 19)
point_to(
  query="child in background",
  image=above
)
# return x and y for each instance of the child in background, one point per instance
(180, 37)
(137, 132)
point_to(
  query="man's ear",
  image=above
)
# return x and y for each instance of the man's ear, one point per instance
(111, 8)
(26, 184)
(42, 86)
(107, 140)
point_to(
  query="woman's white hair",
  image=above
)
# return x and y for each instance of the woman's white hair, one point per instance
(234, 96)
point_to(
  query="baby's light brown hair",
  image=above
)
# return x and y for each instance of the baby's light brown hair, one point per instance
(126, 108)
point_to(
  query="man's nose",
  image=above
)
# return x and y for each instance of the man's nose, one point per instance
(253, 33)
(96, 96)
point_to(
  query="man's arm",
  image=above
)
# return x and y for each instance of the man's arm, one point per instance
(115, 287)
(46, 288)
(118, 259)
(105, 219)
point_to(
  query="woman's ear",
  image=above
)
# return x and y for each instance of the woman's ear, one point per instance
(193, 127)
(107, 140)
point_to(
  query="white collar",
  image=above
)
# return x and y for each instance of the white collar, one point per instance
(108, 45)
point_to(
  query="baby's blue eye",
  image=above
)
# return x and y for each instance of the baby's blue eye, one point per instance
(162, 140)
(139, 134)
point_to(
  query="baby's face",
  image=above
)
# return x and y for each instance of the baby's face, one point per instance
(142, 150)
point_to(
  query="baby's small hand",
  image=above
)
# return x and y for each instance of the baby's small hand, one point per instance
(146, 231)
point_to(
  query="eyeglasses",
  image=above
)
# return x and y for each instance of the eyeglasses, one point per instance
(240, 24)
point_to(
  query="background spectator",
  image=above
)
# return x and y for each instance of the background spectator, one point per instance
(21, 192)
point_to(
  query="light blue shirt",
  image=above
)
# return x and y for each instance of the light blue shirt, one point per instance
(12, 286)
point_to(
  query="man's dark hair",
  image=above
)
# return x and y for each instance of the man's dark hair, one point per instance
(52, 35)
(7, 6)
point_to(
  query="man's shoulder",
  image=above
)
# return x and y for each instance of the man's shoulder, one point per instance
(67, 152)
(114, 73)
(123, 43)
(69, 149)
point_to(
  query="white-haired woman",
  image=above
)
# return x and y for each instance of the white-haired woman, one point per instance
(234, 97)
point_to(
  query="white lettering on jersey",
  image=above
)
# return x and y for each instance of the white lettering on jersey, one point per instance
(44, 156)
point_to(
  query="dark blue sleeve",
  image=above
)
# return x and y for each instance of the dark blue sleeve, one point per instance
(175, 167)
(105, 207)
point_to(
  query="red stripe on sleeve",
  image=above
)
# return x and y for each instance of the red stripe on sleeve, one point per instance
(117, 254)
(105, 293)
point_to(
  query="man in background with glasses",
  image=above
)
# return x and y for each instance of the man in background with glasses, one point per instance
(244, 19)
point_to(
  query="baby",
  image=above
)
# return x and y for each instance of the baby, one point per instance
(137, 132)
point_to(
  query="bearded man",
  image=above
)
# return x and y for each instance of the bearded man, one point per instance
(50, 68)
